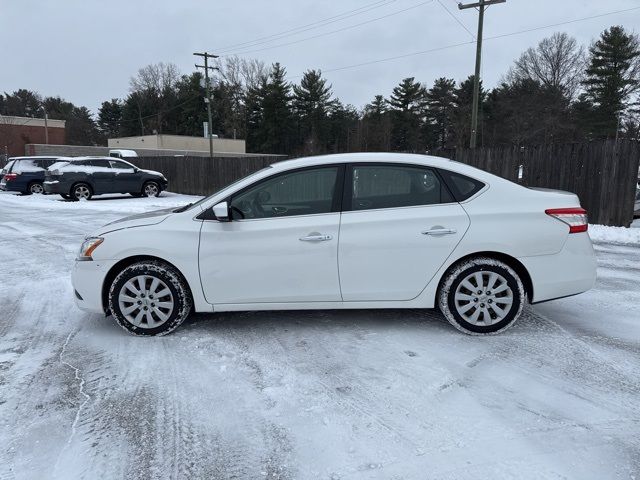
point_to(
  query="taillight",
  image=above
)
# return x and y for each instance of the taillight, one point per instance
(10, 176)
(576, 218)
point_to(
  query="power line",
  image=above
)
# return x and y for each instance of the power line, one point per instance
(457, 20)
(447, 47)
(332, 31)
(307, 27)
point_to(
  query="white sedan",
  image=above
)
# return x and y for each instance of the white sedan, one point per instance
(366, 230)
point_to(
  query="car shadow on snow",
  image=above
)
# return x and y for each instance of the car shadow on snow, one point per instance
(333, 321)
(377, 320)
(101, 198)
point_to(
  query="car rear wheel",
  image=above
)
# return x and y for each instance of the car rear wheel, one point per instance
(151, 189)
(36, 187)
(150, 298)
(81, 191)
(482, 296)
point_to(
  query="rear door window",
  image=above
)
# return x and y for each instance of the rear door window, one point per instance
(119, 165)
(395, 186)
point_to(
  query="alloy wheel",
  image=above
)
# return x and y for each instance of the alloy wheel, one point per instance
(151, 190)
(483, 298)
(146, 301)
(36, 188)
(81, 191)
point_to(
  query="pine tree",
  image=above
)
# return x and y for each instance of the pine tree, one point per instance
(407, 102)
(192, 113)
(110, 118)
(276, 112)
(376, 126)
(440, 106)
(312, 100)
(462, 115)
(612, 76)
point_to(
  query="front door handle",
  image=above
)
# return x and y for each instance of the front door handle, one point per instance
(316, 237)
(436, 232)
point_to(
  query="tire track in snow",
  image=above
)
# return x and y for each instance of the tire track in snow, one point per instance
(79, 377)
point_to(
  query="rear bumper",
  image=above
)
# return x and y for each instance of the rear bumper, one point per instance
(13, 187)
(87, 279)
(569, 272)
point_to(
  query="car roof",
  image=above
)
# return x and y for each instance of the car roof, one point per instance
(37, 157)
(386, 157)
(89, 157)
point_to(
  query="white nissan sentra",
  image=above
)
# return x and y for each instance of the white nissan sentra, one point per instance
(366, 230)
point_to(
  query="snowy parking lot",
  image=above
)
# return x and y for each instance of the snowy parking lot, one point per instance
(307, 395)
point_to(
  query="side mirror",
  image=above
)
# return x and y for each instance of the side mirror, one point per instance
(221, 212)
(136, 169)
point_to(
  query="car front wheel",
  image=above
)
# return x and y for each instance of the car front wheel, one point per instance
(482, 296)
(150, 298)
(151, 189)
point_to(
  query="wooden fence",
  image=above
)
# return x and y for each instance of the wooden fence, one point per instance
(202, 175)
(603, 174)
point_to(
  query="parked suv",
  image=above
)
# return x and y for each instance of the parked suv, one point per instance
(25, 174)
(84, 177)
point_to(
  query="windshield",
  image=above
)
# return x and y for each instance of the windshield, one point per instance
(202, 200)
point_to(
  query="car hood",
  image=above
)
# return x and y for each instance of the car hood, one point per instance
(151, 172)
(138, 220)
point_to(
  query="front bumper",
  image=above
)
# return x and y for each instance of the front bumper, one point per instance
(87, 279)
(55, 186)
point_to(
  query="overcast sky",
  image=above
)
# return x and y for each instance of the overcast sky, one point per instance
(86, 50)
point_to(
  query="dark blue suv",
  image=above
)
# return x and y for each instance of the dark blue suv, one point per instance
(25, 174)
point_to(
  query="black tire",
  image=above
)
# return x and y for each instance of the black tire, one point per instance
(482, 299)
(151, 189)
(35, 187)
(81, 190)
(179, 295)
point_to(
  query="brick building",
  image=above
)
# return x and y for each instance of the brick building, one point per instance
(16, 132)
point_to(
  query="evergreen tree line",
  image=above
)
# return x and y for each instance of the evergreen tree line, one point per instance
(557, 91)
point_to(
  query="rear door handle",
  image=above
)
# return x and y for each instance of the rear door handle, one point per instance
(436, 232)
(316, 238)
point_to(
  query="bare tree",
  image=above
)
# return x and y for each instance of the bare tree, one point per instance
(557, 62)
(154, 84)
(158, 76)
(246, 73)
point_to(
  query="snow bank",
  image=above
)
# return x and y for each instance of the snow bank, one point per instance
(108, 203)
(620, 235)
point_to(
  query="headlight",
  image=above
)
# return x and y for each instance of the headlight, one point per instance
(88, 246)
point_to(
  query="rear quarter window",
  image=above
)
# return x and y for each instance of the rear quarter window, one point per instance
(27, 165)
(461, 186)
(7, 167)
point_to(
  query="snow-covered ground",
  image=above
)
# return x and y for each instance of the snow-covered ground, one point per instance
(307, 395)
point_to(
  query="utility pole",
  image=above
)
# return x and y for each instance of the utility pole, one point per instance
(481, 5)
(46, 126)
(206, 68)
